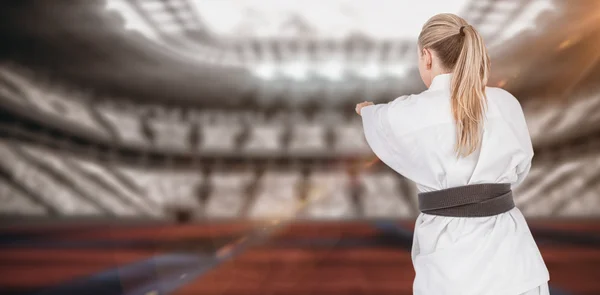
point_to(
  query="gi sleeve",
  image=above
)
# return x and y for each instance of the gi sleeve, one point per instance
(380, 136)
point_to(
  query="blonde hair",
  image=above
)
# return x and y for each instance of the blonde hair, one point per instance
(462, 50)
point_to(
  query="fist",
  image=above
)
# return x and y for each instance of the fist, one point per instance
(362, 105)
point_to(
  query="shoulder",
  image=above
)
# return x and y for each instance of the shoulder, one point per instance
(502, 98)
(506, 105)
(415, 111)
(403, 100)
(414, 101)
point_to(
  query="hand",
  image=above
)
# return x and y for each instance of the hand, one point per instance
(362, 105)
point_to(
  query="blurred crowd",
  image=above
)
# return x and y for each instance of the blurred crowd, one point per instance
(226, 163)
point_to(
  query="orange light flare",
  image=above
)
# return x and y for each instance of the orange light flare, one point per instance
(567, 43)
(502, 83)
(371, 162)
(361, 166)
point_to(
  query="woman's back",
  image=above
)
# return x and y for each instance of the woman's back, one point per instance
(415, 135)
(422, 136)
(464, 145)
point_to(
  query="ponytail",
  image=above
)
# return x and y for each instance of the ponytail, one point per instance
(462, 50)
(468, 92)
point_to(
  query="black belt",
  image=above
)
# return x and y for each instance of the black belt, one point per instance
(478, 200)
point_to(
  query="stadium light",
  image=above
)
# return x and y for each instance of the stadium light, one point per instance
(332, 19)
(321, 22)
(337, 19)
(397, 70)
(371, 71)
(332, 70)
(297, 70)
(265, 71)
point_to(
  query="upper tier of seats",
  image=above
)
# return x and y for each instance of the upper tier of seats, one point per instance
(248, 132)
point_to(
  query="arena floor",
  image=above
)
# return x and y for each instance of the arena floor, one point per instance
(302, 258)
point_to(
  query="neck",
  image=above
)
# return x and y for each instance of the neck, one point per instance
(439, 71)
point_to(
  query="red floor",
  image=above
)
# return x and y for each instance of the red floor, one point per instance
(263, 270)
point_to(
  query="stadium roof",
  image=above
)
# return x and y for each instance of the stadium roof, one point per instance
(153, 48)
(334, 19)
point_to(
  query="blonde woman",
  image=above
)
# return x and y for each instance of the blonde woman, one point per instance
(466, 146)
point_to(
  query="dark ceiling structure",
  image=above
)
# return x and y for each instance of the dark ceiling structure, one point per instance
(83, 44)
(72, 41)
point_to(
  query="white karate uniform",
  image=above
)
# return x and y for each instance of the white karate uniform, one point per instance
(415, 135)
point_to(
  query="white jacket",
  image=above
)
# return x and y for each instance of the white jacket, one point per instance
(415, 135)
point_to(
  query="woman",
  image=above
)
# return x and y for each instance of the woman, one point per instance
(465, 145)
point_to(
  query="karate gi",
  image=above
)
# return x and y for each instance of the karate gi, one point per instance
(415, 135)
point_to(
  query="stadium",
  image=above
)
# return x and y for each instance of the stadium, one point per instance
(211, 147)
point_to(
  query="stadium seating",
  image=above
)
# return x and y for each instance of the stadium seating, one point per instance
(42, 186)
(228, 194)
(60, 104)
(38, 180)
(383, 196)
(329, 196)
(552, 122)
(249, 132)
(126, 123)
(62, 183)
(17, 202)
(277, 195)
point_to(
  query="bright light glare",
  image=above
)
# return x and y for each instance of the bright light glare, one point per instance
(399, 20)
(265, 71)
(398, 70)
(300, 70)
(332, 70)
(337, 19)
(332, 18)
(371, 71)
(296, 70)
